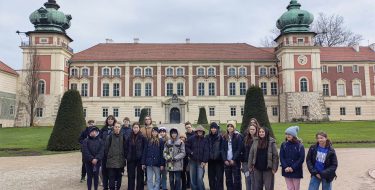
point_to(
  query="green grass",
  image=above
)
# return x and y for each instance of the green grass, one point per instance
(25, 141)
(343, 134)
(358, 134)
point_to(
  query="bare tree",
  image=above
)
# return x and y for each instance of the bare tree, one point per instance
(331, 32)
(269, 41)
(30, 92)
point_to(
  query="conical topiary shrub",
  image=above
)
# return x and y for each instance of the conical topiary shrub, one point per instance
(255, 107)
(69, 123)
(144, 113)
(202, 118)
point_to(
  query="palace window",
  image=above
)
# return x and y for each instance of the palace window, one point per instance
(232, 89)
(358, 111)
(39, 112)
(180, 72)
(340, 69)
(115, 112)
(342, 111)
(211, 89)
(356, 89)
(116, 89)
(303, 85)
(273, 88)
(341, 90)
(328, 110)
(355, 69)
(180, 89)
(263, 86)
(148, 89)
(137, 89)
(263, 71)
(242, 71)
(273, 71)
(325, 89)
(105, 89)
(137, 72)
(201, 89)
(116, 72)
(243, 88)
(232, 72)
(169, 72)
(74, 72)
(148, 72)
(137, 112)
(169, 89)
(211, 71)
(106, 72)
(275, 111)
(200, 71)
(211, 111)
(41, 87)
(324, 69)
(85, 72)
(105, 112)
(84, 89)
(233, 111)
(73, 86)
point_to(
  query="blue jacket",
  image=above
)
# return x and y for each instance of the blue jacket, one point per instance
(236, 147)
(292, 155)
(153, 154)
(126, 131)
(197, 148)
(92, 148)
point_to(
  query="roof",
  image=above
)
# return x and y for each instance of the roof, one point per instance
(331, 54)
(173, 52)
(7, 69)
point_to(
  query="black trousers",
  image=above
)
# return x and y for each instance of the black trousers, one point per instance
(83, 169)
(115, 178)
(185, 176)
(105, 175)
(92, 175)
(233, 176)
(135, 175)
(216, 174)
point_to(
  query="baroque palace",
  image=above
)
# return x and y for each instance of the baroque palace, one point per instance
(299, 80)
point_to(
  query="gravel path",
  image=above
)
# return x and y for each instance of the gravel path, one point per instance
(62, 172)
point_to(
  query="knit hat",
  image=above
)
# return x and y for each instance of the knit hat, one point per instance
(199, 128)
(233, 123)
(293, 130)
(94, 128)
(214, 125)
(155, 129)
(162, 129)
(173, 131)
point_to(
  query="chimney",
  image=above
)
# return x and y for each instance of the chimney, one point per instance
(136, 40)
(187, 40)
(108, 41)
(356, 47)
(372, 46)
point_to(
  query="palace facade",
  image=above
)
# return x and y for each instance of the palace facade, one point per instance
(299, 80)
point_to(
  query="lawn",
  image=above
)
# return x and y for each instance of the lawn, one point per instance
(33, 141)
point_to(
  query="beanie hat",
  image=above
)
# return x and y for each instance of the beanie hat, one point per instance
(214, 125)
(233, 123)
(162, 129)
(293, 130)
(155, 129)
(173, 131)
(94, 128)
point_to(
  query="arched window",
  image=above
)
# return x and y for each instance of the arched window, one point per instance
(303, 85)
(85, 72)
(211, 71)
(74, 72)
(232, 71)
(200, 72)
(106, 72)
(137, 72)
(41, 87)
(242, 71)
(180, 72)
(116, 72)
(169, 72)
(262, 71)
(148, 72)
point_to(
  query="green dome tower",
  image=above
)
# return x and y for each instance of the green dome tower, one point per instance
(295, 19)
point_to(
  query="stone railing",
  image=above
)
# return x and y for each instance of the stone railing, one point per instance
(27, 43)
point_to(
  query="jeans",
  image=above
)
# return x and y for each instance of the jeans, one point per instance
(196, 175)
(92, 174)
(175, 180)
(315, 183)
(248, 175)
(115, 178)
(233, 176)
(163, 179)
(216, 174)
(135, 173)
(151, 172)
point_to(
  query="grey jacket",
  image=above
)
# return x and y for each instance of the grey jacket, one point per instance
(174, 154)
(272, 154)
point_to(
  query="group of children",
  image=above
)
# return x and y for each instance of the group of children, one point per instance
(149, 153)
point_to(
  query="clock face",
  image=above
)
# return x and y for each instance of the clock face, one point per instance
(302, 59)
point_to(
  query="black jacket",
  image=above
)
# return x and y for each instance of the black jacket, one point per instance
(197, 148)
(215, 143)
(84, 134)
(246, 151)
(330, 164)
(236, 147)
(127, 131)
(134, 151)
(92, 148)
(105, 131)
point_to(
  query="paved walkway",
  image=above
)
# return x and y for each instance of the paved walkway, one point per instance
(62, 172)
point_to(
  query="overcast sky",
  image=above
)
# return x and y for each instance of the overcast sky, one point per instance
(172, 21)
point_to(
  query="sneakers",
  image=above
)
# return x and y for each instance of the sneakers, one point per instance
(82, 179)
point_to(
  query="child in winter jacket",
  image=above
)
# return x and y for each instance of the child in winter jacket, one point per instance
(321, 161)
(153, 160)
(292, 156)
(93, 152)
(174, 153)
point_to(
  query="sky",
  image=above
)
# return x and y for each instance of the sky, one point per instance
(172, 21)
